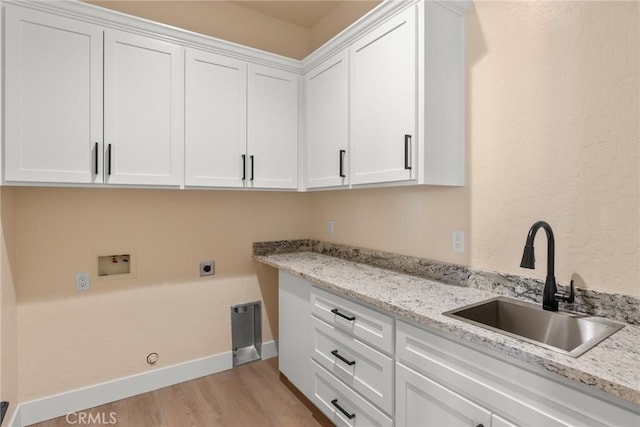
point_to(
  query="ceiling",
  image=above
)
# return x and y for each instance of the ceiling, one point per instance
(303, 13)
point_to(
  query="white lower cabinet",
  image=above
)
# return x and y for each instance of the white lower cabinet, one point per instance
(343, 356)
(442, 382)
(423, 402)
(294, 327)
(342, 405)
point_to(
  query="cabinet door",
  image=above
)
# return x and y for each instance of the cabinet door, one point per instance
(215, 120)
(295, 331)
(144, 110)
(272, 122)
(423, 402)
(53, 98)
(327, 123)
(384, 102)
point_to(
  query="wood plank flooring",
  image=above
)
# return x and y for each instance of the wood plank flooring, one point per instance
(250, 395)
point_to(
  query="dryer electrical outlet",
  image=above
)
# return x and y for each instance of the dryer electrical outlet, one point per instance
(207, 268)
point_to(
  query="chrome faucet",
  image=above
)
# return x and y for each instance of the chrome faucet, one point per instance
(550, 295)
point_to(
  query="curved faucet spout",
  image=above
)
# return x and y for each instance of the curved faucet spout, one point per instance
(528, 261)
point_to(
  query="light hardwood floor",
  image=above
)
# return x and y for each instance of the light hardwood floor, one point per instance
(250, 395)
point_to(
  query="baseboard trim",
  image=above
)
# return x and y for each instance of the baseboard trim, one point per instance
(58, 405)
(16, 419)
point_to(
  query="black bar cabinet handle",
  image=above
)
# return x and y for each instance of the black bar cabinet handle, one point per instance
(348, 362)
(407, 146)
(95, 158)
(109, 162)
(251, 157)
(334, 402)
(342, 154)
(349, 318)
(244, 167)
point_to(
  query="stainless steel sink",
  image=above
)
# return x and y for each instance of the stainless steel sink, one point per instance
(562, 331)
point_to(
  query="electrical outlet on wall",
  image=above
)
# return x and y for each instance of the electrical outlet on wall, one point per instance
(458, 241)
(207, 268)
(82, 282)
(330, 227)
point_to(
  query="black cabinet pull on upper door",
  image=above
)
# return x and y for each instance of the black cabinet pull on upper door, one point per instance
(251, 157)
(109, 162)
(407, 147)
(95, 158)
(244, 167)
(342, 154)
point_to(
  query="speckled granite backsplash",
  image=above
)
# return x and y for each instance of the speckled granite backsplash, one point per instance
(623, 308)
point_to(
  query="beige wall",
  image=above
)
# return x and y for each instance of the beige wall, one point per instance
(69, 340)
(339, 18)
(233, 22)
(553, 134)
(8, 304)
(223, 20)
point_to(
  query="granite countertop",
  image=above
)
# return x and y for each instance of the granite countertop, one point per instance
(612, 366)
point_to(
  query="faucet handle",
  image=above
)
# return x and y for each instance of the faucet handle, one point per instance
(562, 296)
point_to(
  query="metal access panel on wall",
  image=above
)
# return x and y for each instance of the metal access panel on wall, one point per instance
(246, 332)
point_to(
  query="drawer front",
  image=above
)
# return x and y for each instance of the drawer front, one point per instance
(343, 406)
(361, 367)
(367, 325)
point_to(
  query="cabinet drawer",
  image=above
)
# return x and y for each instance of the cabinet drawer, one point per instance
(361, 367)
(343, 406)
(363, 323)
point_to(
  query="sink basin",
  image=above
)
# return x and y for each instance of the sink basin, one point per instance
(562, 331)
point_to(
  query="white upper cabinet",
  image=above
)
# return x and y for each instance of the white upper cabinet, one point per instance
(384, 102)
(272, 128)
(143, 110)
(327, 123)
(405, 94)
(53, 99)
(241, 124)
(95, 97)
(215, 120)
